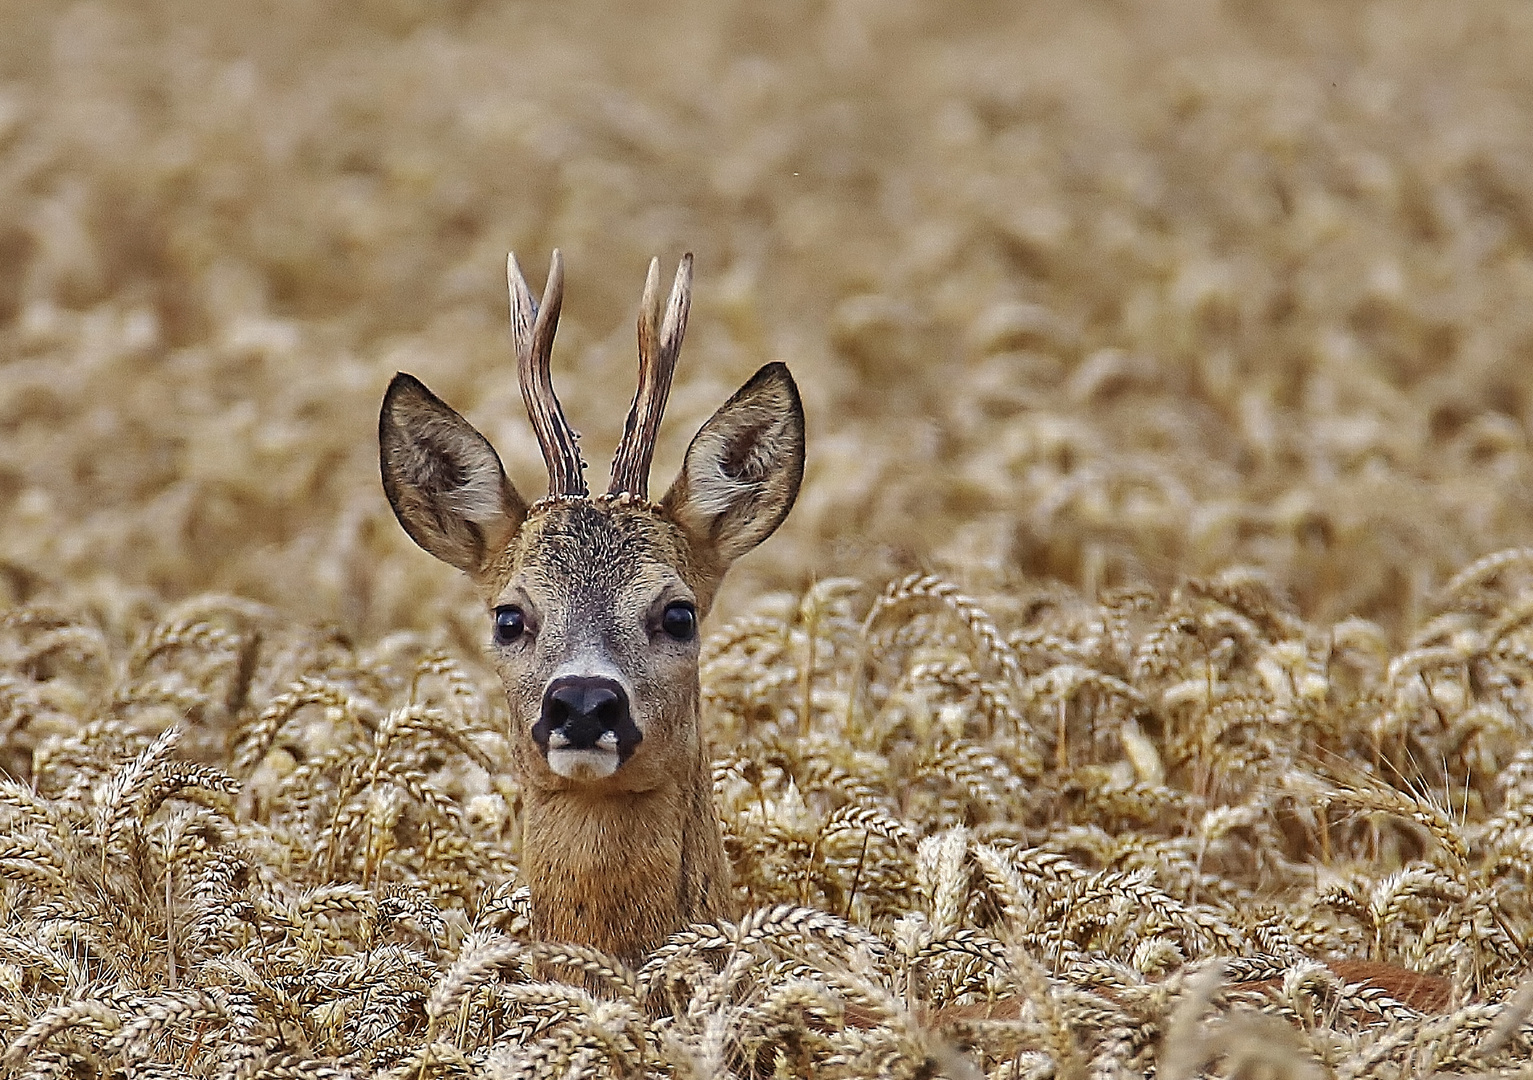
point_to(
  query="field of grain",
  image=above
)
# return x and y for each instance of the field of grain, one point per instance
(1150, 650)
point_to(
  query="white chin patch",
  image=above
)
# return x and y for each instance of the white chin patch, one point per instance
(595, 764)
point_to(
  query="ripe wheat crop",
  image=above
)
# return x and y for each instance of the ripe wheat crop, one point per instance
(1027, 835)
(1141, 685)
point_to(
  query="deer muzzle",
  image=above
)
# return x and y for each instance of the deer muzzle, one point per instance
(586, 729)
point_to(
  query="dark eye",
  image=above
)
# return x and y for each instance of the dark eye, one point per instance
(509, 624)
(679, 620)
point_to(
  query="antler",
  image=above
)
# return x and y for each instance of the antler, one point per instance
(532, 328)
(659, 345)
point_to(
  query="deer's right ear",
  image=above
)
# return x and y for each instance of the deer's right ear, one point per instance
(741, 474)
(444, 479)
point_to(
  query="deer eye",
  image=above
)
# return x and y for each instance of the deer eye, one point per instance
(509, 624)
(679, 620)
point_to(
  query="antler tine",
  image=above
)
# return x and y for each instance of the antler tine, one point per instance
(532, 328)
(660, 337)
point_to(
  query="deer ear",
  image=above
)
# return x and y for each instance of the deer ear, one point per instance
(444, 479)
(743, 468)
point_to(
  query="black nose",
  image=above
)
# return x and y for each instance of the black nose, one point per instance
(579, 709)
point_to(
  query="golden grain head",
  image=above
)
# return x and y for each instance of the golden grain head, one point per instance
(923, 891)
(1139, 687)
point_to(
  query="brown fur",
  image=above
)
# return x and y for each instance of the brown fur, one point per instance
(617, 863)
(622, 870)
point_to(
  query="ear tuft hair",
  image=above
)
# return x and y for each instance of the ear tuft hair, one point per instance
(444, 479)
(743, 469)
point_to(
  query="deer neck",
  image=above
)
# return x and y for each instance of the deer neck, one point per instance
(621, 871)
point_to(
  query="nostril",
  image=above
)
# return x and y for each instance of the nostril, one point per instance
(608, 711)
(578, 710)
(582, 701)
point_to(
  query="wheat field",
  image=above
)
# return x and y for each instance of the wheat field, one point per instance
(1141, 686)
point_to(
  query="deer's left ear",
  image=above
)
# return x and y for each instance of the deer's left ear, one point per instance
(444, 479)
(743, 468)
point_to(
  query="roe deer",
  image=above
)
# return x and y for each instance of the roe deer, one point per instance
(594, 609)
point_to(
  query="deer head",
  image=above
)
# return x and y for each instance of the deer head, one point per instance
(593, 611)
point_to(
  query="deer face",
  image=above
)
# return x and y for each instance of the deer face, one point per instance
(595, 636)
(593, 605)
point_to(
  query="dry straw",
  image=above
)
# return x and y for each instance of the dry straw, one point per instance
(1290, 893)
(1168, 361)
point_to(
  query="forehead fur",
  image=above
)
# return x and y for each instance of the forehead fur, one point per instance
(600, 540)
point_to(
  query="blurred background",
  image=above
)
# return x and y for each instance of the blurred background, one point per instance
(1110, 292)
